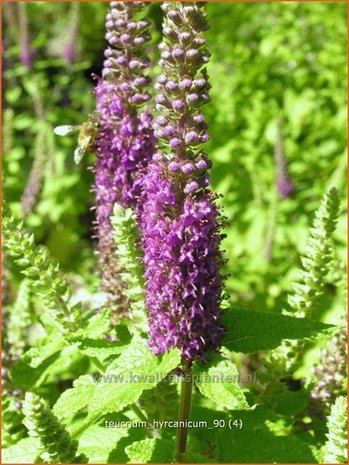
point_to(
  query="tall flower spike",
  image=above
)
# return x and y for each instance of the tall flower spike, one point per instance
(43, 273)
(126, 235)
(318, 258)
(336, 448)
(125, 141)
(55, 439)
(27, 53)
(317, 262)
(331, 373)
(69, 51)
(32, 189)
(284, 183)
(180, 221)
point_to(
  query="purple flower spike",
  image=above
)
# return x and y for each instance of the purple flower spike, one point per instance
(125, 141)
(284, 183)
(27, 54)
(180, 220)
(69, 50)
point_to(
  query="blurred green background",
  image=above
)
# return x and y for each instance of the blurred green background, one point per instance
(271, 62)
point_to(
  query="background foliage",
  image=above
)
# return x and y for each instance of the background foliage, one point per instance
(270, 62)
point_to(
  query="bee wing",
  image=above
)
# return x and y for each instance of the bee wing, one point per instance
(66, 130)
(80, 150)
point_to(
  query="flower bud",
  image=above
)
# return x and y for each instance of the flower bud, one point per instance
(185, 84)
(139, 40)
(170, 33)
(161, 121)
(125, 87)
(125, 38)
(191, 187)
(161, 99)
(108, 53)
(175, 16)
(135, 64)
(176, 143)
(191, 137)
(178, 105)
(188, 168)
(162, 79)
(120, 23)
(178, 54)
(131, 26)
(169, 131)
(174, 166)
(192, 98)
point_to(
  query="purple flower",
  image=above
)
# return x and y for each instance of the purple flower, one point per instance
(125, 140)
(180, 220)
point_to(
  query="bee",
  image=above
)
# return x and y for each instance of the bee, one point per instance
(87, 133)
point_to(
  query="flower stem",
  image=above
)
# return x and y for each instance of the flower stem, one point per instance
(184, 413)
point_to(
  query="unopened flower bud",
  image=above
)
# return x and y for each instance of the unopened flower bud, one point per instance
(162, 79)
(192, 98)
(188, 168)
(120, 23)
(134, 64)
(125, 38)
(161, 99)
(191, 187)
(185, 84)
(161, 121)
(178, 54)
(192, 53)
(169, 131)
(201, 164)
(175, 16)
(171, 86)
(174, 166)
(176, 143)
(185, 38)
(178, 105)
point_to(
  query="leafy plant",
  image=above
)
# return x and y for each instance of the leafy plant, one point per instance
(148, 343)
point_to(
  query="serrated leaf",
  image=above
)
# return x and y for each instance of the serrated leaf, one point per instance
(100, 348)
(250, 331)
(76, 398)
(151, 451)
(127, 377)
(25, 451)
(95, 327)
(218, 380)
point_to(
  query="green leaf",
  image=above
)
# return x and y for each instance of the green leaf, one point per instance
(250, 331)
(37, 355)
(100, 348)
(97, 442)
(290, 402)
(218, 380)
(95, 327)
(26, 377)
(74, 399)
(261, 446)
(151, 451)
(127, 377)
(25, 451)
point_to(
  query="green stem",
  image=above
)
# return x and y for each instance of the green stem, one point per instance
(184, 413)
(152, 432)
